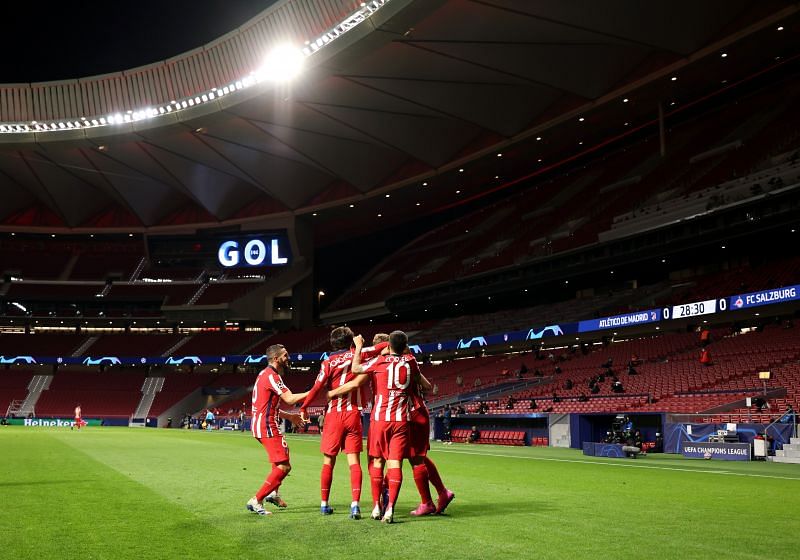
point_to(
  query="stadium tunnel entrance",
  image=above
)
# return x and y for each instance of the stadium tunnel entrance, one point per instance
(595, 427)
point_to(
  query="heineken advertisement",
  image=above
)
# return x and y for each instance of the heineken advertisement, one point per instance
(51, 422)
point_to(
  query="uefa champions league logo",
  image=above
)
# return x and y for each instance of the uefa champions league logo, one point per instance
(554, 330)
(17, 360)
(105, 360)
(481, 341)
(183, 360)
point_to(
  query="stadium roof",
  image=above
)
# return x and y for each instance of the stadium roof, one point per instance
(394, 94)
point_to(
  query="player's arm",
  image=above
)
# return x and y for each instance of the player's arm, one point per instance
(369, 352)
(293, 417)
(349, 386)
(423, 381)
(312, 393)
(293, 398)
(355, 366)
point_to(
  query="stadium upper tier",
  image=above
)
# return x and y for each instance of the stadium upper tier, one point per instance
(735, 153)
(386, 95)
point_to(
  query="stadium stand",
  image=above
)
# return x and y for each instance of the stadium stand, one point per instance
(110, 394)
(13, 387)
(591, 204)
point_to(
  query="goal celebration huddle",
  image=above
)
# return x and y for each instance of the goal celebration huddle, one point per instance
(399, 423)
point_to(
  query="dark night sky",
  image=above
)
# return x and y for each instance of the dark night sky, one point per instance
(57, 40)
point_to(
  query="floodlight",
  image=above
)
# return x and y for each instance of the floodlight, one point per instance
(283, 63)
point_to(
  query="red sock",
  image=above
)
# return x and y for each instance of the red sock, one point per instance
(325, 480)
(273, 481)
(433, 476)
(376, 483)
(355, 481)
(421, 480)
(395, 477)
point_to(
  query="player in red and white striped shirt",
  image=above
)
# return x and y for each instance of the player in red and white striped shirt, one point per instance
(393, 374)
(425, 470)
(269, 392)
(343, 429)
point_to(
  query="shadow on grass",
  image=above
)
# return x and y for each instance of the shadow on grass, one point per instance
(456, 510)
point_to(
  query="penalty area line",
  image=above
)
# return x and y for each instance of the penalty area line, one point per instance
(628, 465)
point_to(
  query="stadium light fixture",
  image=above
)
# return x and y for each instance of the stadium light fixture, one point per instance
(625, 100)
(581, 119)
(780, 28)
(282, 64)
(724, 55)
(673, 78)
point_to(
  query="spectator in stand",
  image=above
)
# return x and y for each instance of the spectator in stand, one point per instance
(568, 384)
(435, 390)
(583, 398)
(557, 369)
(510, 403)
(477, 382)
(461, 409)
(446, 416)
(789, 417)
(474, 435)
(537, 373)
(459, 380)
(556, 398)
(705, 357)
(760, 403)
(533, 404)
(617, 387)
(321, 420)
(523, 369)
(608, 363)
(631, 369)
(705, 337)
(505, 372)
(595, 389)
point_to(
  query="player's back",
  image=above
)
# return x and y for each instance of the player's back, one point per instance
(336, 370)
(266, 402)
(393, 377)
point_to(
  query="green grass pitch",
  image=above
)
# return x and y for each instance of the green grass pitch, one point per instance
(140, 493)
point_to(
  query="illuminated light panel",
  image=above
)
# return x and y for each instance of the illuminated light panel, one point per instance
(273, 70)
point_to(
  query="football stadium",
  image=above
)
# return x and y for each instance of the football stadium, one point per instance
(400, 278)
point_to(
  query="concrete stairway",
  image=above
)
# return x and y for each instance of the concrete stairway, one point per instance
(789, 454)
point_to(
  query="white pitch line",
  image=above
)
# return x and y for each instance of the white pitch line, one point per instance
(629, 465)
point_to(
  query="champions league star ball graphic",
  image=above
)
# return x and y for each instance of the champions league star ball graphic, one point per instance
(707, 455)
